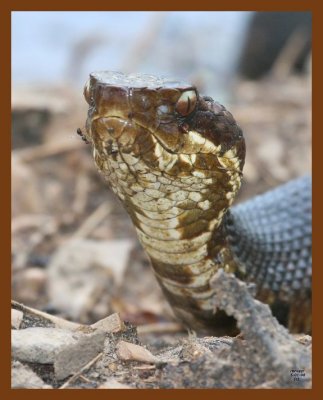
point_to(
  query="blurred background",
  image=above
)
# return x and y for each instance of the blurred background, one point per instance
(74, 250)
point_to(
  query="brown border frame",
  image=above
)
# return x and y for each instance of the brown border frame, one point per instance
(144, 5)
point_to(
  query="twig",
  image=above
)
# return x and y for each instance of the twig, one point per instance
(160, 327)
(48, 149)
(93, 220)
(83, 378)
(77, 374)
(57, 321)
(288, 55)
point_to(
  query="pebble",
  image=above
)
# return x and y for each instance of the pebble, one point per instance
(68, 351)
(16, 318)
(128, 351)
(40, 345)
(112, 383)
(110, 324)
(22, 377)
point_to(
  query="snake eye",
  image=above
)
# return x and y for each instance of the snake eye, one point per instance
(186, 103)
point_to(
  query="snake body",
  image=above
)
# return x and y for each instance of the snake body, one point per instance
(175, 158)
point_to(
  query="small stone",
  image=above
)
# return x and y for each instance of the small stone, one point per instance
(72, 358)
(132, 352)
(68, 351)
(22, 377)
(112, 383)
(306, 340)
(16, 318)
(40, 345)
(111, 324)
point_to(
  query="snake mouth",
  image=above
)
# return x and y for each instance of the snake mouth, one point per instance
(135, 125)
(134, 139)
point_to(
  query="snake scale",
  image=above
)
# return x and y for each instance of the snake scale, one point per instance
(175, 158)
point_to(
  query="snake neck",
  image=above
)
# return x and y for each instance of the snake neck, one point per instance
(177, 211)
(180, 224)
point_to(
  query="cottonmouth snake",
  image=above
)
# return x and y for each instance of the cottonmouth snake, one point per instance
(175, 158)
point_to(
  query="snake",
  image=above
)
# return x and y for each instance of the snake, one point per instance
(175, 159)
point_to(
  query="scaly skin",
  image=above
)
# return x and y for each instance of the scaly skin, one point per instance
(174, 159)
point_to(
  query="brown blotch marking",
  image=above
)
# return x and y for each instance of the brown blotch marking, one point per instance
(217, 242)
(189, 217)
(180, 274)
(185, 302)
(186, 204)
(217, 201)
(209, 173)
(195, 215)
(128, 137)
(168, 135)
(216, 323)
(151, 159)
(193, 230)
(180, 168)
(207, 162)
(105, 128)
(143, 144)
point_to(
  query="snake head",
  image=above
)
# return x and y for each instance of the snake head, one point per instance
(162, 121)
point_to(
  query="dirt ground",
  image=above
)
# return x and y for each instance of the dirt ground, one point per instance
(75, 254)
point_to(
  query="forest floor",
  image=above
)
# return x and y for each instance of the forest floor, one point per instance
(76, 258)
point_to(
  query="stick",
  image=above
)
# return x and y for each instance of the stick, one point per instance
(77, 374)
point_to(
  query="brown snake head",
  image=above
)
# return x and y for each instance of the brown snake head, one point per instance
(175, 160)
(172, 112)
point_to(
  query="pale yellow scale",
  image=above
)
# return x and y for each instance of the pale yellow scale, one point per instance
(157, 194)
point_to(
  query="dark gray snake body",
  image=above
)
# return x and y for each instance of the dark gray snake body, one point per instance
(175, 160)
(271, 236)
